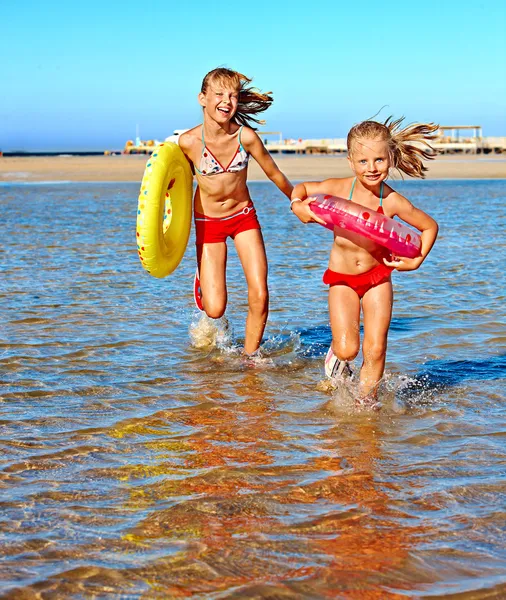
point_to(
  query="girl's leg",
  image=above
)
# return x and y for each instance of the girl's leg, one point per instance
(212, 261)
(344, 312)
(251, 251)
(377, 308)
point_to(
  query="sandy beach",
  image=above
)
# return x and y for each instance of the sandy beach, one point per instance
(296, 168)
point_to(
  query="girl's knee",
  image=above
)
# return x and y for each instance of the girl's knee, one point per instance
(258, 299)
(214, 310)
(345, 349)
(375, 351)
(215, 313)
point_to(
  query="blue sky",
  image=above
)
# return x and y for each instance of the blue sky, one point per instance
(82, 75)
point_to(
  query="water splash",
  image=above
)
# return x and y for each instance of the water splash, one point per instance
(216, 337)
(282, 344)
(397, 393)
(207, 333)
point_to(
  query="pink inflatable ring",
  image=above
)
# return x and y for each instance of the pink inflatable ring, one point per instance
(400, 239)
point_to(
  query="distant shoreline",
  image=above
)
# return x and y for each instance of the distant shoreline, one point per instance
(122, 168)
(22, 154)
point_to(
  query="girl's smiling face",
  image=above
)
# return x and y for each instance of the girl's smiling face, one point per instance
(370, 160)
(219, 102)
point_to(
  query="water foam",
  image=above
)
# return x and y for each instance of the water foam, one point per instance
(207, 333)
(396, 393)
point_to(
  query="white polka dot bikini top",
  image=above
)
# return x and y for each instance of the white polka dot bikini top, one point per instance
(210, 165)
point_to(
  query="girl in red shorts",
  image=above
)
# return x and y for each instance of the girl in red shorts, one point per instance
(219, 151)
(359, 271)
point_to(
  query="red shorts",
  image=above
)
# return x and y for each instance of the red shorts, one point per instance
(360, 283)
(210, 230)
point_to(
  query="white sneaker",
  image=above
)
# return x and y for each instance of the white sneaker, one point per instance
(335, 368)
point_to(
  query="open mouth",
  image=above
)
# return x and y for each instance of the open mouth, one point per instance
(224, 111)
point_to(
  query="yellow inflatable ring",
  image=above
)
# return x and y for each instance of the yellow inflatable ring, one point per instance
(164, 210)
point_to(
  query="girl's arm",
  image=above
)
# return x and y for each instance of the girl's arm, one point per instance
(424, 223)
(301, 198)
(253, 144)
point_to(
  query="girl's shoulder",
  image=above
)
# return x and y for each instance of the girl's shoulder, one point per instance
(247, 134)
(338, 186)
(190, 137)
(393, 198)
(389, 192)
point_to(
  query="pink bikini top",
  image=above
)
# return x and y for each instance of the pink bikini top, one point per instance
(210, 165)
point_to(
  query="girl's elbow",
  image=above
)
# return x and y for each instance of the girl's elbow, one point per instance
(300, 190)
(431, 228)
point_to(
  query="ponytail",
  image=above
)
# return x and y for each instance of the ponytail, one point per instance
(410, 145)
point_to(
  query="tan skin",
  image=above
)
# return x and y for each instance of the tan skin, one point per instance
(351, 254)
(224, 194)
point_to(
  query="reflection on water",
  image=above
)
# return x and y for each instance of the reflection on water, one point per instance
(135, 464)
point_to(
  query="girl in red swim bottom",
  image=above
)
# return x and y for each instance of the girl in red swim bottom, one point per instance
(219, 151)
(359, 271)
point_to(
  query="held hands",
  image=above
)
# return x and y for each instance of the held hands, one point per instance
(404, 264)
(303, 212)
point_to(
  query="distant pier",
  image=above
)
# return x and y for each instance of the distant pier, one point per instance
(453, 139)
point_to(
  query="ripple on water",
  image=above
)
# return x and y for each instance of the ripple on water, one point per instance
(143, 456)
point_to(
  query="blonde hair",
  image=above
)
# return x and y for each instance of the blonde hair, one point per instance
(251, 100)
(407, 146)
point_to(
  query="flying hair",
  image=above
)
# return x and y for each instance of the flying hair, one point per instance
(408, 146)
(251, 100)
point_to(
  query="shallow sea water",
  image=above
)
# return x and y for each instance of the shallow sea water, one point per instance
(135, 465)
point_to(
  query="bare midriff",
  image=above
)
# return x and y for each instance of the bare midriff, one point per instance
(352, 254)
(222, 194)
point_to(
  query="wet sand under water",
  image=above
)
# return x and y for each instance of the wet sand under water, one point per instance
(136, 465)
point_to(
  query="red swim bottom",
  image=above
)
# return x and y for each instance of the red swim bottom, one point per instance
(212, 230)
(359, 283)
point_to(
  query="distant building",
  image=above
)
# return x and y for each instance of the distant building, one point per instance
(146, 147)
(175, 136)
